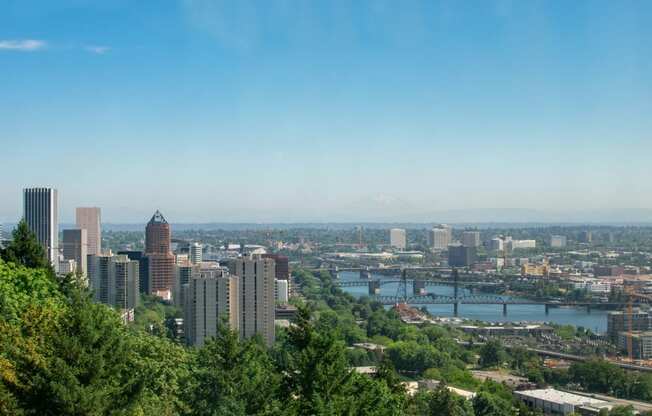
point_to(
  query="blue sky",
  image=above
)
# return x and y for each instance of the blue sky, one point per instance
(285, 110)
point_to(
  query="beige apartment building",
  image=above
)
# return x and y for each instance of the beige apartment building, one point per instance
(256, 289)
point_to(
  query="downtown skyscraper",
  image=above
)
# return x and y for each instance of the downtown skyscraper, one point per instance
(159, 254)
(90, 220)
(41, 213)
(75, 247)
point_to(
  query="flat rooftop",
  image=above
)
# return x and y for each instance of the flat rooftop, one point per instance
(561, 397)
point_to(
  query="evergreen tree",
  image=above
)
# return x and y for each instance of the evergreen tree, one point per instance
(233, 377)
(25, 249)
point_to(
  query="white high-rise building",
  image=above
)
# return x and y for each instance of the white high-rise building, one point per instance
(398, 238)
(440, 237)
(195, 253)
(89, 219)
(520, 244)
(114, 280)
(496, 244)
(282, 291)
(209, 301)
(75, 248)
(471, 238)
(256, 277)
(41, 213)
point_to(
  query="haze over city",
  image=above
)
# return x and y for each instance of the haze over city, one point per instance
(316, 111)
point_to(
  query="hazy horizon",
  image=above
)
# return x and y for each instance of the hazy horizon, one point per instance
(329, 111)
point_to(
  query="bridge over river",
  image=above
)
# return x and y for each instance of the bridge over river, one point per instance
(418, 295)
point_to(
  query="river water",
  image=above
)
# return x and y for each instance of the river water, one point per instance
(596, 320)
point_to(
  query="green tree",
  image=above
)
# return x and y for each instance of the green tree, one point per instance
(487, 404)
(618, 411)
(21, 287)
(443, 402)
(319, 381)
(233, 377)
(79, 359)
(25, 249)
(492, 354)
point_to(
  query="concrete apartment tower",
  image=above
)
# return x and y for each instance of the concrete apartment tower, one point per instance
(471, 238)
(75, 247)
(210, 300)
(440, 237)
(41, 213)
(256, 295)
(90, 219)
(398, 238)
(114, 280)
(161, 260)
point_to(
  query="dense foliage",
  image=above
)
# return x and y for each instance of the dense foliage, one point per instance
(60, 353)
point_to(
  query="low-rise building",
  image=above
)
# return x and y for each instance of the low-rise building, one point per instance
(507, 330)
(556, 402)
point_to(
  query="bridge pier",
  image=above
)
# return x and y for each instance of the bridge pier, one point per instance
(455, 308)
(418, 287)
(588, 309)
(504, 309)
(374, 287)
(547, 309)
(365, 273)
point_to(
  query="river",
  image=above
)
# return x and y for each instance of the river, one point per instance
(596, 320)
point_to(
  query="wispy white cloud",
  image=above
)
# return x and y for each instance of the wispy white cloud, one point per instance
(22, 45)
(99, 50)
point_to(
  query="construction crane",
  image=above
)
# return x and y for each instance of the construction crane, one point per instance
(631, 293)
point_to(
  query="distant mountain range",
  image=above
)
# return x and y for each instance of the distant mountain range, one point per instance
(481, 218)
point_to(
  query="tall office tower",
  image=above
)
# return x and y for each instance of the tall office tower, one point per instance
(41, 213)
(209, 301)
(461, 256)
(471, 238)
(195, 253)
(398, 238)
(440, 237)
(256, 295)
(114, 280)
(75, 247)
(90, 220)
(586, 237)
(143, 268)
(161, 260)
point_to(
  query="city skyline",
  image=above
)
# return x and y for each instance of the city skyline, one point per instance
(328, 111)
